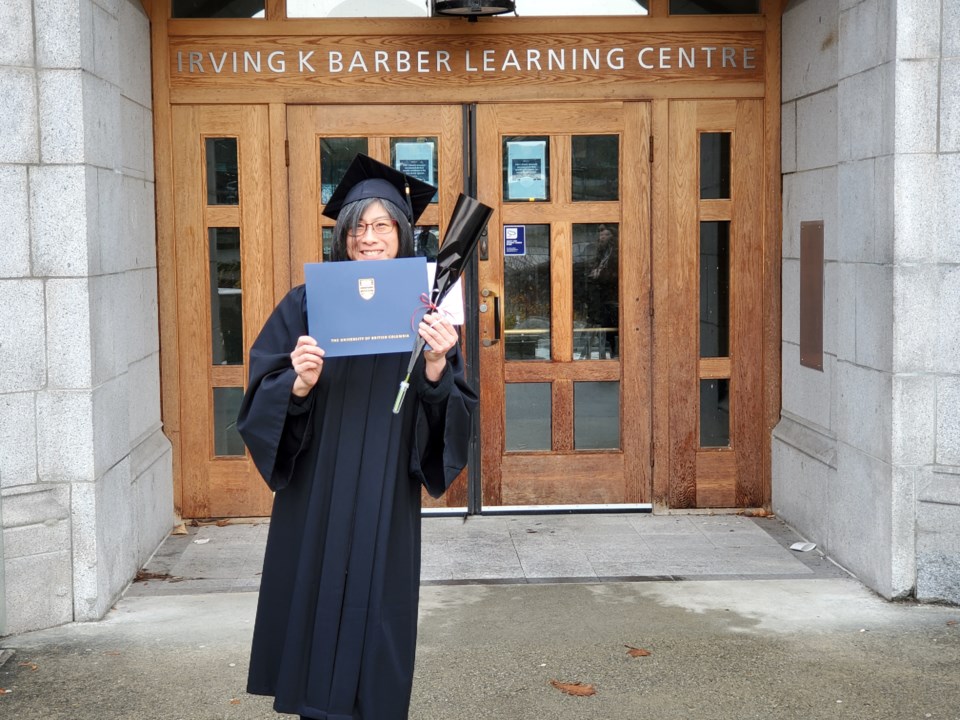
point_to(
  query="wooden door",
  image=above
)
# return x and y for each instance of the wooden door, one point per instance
(711, 295)
(322, 142)
(564, 303)
(224, 292)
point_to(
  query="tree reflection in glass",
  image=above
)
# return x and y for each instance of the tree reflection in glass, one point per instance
(596, 291)
(526, 282)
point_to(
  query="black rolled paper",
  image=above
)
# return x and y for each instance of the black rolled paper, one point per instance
(464, 229)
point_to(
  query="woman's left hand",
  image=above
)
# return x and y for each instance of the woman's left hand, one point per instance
(441, 336)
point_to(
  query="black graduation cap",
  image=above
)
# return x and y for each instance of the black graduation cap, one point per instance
(369, 178)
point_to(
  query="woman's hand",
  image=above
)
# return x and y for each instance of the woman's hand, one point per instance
(441, 336)
(307, 360)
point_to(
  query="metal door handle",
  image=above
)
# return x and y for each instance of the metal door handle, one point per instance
(487, 296)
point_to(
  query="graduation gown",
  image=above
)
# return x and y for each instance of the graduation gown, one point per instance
(335, 632)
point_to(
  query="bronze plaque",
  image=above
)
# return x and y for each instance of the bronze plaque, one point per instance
(811, 294)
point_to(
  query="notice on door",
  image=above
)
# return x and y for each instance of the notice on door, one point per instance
(514, 240)
(526, 170)
(416, 160)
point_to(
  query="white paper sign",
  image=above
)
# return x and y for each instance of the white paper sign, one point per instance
(416, 160)
(526, 169)
(452, 305)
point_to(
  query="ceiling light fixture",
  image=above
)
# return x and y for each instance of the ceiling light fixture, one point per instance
(472, 9)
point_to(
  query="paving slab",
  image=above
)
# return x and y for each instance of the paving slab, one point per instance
(797, 649)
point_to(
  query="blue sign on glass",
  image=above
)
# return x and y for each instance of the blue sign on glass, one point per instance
(514, 240)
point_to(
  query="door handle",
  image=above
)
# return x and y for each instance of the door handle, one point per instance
(488, 337)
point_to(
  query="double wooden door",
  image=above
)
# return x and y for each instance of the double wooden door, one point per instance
(616, 290)
(563, 359)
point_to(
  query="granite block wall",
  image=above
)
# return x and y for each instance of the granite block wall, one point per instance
(863, 456)
(85, 470)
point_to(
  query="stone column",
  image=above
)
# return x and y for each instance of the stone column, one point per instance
(926, 424)
(85, 471)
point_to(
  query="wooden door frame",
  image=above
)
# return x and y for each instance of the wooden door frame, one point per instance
(278, 95)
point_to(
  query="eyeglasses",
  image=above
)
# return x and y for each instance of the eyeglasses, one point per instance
(380, 227)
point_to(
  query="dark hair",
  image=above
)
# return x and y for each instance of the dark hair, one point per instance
(349, 218)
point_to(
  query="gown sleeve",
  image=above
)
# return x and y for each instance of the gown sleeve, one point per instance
(272, 421)
(443, 426)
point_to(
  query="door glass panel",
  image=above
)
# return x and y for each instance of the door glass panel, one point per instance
(596, 305)
(417, 157)
(228, 9)
(327, 237)
(526, 168)
(222, 176)
(550, 8)
(226, 298)
(226, 407)
(714, 7)
(596, 167)
(526, 283)
(426, 241)
(715, 289)
(355, 8)
(714, 413)
(529, 407)
(596, 415)
(336, 154)
(714, 166)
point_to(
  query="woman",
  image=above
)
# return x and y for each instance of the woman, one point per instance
(335, 634)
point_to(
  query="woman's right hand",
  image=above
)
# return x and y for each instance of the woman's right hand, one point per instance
(307, 360)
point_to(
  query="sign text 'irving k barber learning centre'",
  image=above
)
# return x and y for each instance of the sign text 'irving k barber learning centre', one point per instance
(475, 59)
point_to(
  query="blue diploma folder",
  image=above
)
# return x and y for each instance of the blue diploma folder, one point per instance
(365, 307)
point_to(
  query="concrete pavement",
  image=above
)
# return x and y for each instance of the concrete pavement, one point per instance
(792, 638)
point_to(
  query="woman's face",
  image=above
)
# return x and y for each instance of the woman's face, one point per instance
(376, 238)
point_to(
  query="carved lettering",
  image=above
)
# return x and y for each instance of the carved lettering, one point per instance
(488, 61)
(443, 60)
(251, 60)
(277, 61)
(357, 62)
(305, 61)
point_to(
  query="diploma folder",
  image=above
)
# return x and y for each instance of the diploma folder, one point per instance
(365, 307)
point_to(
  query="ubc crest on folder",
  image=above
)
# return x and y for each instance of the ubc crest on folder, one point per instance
(367, 288)
(365, 307)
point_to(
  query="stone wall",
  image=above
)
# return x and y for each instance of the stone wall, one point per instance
(866, 112)
(927, 291)
(85, 470)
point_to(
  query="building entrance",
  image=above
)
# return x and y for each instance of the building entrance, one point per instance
(622, 313)
(567, 328)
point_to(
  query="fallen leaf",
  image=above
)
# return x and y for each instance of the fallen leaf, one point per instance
(951, 622)
(576, 689)
(222, 523)
(32, 665)
(193, 523)
(4, 691)
(758, 512)
(637, 652)
(144, 575)
(235, 701)
(180, 529)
